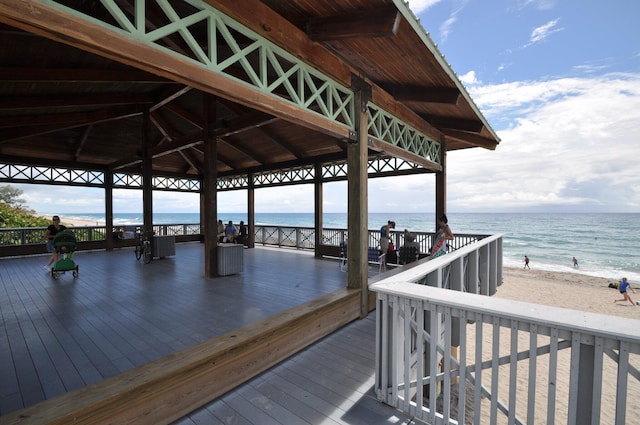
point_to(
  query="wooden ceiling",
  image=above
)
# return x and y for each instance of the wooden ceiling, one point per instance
(61, 104)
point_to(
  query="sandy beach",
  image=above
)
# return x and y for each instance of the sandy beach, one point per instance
(72, 222)
(568, 290)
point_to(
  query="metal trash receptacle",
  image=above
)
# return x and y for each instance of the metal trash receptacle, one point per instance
(164, 246)
(230, 258)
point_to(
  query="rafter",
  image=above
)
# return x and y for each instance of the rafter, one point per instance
(455, 124)
(56, 122)
(82, 141)
(404, 93)
(394, 151)
(192, 160)
(184, 142)
(380, 22)
(79, 75)
(470, 139)
(34, 102)
(282, 143)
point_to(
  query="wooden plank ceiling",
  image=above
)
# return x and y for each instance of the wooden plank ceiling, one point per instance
(60, 105)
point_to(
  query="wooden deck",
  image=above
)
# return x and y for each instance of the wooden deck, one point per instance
(60, 335)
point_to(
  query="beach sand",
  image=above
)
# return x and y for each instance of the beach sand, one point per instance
(73, 222)
(566, 290)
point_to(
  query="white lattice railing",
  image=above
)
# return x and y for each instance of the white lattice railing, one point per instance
(497, 361)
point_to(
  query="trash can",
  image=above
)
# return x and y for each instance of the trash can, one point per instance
(230, 258)
(164, 246)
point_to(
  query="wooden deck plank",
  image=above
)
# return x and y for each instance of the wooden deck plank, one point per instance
(311, 397)
(120, 314)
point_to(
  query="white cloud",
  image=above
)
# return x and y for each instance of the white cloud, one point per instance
(567, 143)
(542, 32)
(447, 25)
(537, 4)
(469, 78)
(418, 6)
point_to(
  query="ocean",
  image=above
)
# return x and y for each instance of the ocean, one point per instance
(606, 245)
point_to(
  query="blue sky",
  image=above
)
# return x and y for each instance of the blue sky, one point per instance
(559, 82)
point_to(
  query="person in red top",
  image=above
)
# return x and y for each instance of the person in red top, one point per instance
(54, 228)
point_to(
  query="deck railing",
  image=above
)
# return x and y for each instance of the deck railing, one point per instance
(279, 236)
(466, 358)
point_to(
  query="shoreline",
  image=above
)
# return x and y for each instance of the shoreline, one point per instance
(574, 291)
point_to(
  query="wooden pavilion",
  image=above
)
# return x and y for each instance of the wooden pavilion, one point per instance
(206, 96)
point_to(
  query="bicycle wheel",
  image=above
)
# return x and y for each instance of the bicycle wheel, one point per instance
(147, 253)
(138, 252)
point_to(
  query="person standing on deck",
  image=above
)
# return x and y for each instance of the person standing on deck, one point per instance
(220, 231)
(54, 228)
(443, 235)
(385, 236)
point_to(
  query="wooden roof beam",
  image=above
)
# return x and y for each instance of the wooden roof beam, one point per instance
(381, 22)
(243, 150)
(177, 144)
(388, 148)
(34, 102)
(404, 93)
(470, 139)
(80, 75)
(192, 160)
(83, 140)
(282, 143)
(56, 122)
(248, 121)
(442, 124)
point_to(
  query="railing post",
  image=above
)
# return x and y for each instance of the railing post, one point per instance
(585, 385)
(493, 267)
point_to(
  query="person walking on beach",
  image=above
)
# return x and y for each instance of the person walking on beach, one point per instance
(575, 262)
(623, 286)
(54, 228)
(526, 263)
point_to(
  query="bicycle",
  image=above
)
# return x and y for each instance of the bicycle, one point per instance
(143, 249)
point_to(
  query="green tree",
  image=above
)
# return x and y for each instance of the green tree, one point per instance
(11, 196)
(14, 212)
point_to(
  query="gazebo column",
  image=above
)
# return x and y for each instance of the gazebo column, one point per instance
(441, 183)
(318, 211)
(147, 178)
(210, 190)
(251, 211)
(357, 222)
(108, 208)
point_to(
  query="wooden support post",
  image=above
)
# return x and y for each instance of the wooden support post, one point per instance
(147, 178)
(209, 189)
(357, 222)
(441, 183)
(317, 195)
(251, 212)
(108, 208)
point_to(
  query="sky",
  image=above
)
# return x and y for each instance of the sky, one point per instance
(557, 80)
